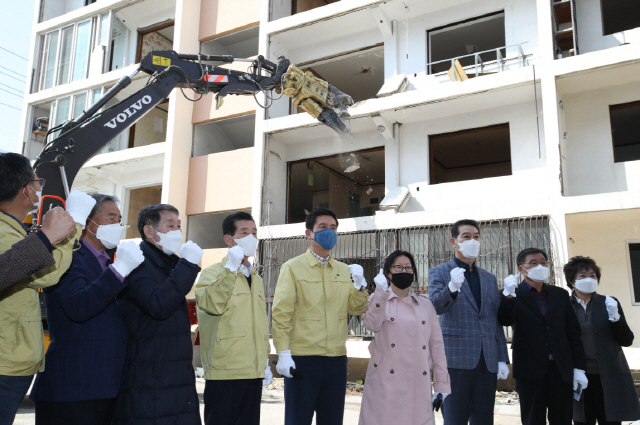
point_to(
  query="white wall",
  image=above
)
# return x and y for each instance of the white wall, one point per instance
(590, 29)
(589, 146)
(520, 26)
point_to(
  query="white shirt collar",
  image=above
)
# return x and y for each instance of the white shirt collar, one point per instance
(246, 270)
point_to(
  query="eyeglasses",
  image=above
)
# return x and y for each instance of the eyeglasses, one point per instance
(399, 269)
(41, 181)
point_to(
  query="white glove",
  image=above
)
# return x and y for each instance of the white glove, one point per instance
(435, 395)
(235, 256)
(457, 279)
(503, 370)
(79, 206)
(612, 308)
(381, 281)
(191, 252)
(268, 375)
(579, 378)
(128, 257)
(285, 363)
(510, 285)
(357, 274)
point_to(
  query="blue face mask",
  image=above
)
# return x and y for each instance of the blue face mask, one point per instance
(326, 238)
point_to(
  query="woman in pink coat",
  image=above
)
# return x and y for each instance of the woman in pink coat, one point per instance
(407, 347)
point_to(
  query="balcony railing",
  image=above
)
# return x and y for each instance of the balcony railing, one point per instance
(500, 64)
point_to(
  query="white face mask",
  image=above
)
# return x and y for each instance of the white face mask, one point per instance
(470, 248)
(248, 244)
(539, 273)
(36, 205)
(108, 234)
(587, 285)
(170, 241)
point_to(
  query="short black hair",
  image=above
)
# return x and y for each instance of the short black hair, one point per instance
(455, 229)
(386, 269)
(150, 216)
(313, 215)
(229, 224)
(101, 199)
(15, 173)
(576, 265)
(522, 255)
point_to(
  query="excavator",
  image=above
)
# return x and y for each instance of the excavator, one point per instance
(81, 138)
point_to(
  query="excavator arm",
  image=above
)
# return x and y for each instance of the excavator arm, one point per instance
(83, 137)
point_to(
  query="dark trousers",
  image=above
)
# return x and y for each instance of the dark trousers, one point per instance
(551, 393)
(232, 402)
(473, 396)
(594, 402)
(322, 389)
(85, 412)
(12, 392)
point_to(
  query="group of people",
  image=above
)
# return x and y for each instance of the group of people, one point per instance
(121, 345)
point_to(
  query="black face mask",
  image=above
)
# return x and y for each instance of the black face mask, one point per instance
(402, 280)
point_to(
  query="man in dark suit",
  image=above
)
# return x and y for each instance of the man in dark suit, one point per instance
(548, 356)
(467, 299)
(86, 358)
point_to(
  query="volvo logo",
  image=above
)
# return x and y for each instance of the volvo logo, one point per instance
(126, 114)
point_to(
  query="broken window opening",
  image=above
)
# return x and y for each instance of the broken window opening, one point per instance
(151, 128)
(156, 37)
(136, 200)
(224, 135)
(206, 229)
(239, 44)
(359, 74)
(625, 131)
(618, 16)
(351, 184)
(477, 34)
(285, 8)
(470, 154)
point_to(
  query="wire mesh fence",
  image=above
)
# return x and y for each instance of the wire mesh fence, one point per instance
(501, 241)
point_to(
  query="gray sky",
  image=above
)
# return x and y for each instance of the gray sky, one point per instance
(16, 20)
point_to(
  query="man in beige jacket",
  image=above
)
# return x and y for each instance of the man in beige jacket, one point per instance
(234, 330)
(21, 334)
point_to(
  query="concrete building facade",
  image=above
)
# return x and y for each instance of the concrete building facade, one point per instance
(534, 138)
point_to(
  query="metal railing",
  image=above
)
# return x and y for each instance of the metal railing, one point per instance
(501, 59)
(501, 241)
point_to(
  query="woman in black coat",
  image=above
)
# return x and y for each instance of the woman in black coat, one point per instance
(610, 396)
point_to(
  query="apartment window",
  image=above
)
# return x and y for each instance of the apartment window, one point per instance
(351, 184)
(224, 135)
(239, 44)
(138, 199)
(464, 38)
(625, 131)
(470, 154)
(65, 55)
(50, 9)
(619, 15)
(156, 37)
(206, 229)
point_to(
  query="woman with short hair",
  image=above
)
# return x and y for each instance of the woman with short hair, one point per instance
(407, 346)
(610, 397)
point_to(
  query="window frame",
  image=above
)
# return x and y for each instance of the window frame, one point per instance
(635, 103)
(43, 64)
(627, 244)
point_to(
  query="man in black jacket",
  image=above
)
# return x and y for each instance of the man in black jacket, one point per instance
(159, 384)
(548, 356)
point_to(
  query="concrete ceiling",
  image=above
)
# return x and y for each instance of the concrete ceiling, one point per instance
(359, 75)
(145, 13)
